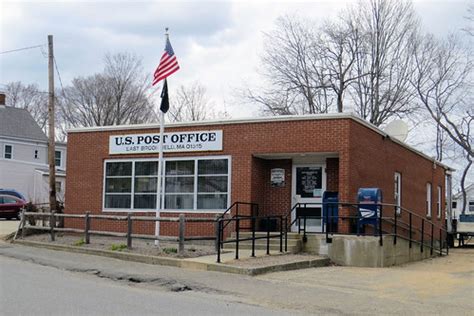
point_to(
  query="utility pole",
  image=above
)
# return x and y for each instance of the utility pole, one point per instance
(51, 147)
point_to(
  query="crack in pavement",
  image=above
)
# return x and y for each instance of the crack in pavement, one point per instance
(165, 283)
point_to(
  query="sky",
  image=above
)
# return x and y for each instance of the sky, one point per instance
(217, 43)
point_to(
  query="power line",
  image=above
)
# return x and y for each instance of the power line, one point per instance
(20, 49)
(59, 76)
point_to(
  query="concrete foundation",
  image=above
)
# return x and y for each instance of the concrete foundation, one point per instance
(365, 251)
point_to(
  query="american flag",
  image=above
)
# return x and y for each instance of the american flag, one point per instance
(168, 64)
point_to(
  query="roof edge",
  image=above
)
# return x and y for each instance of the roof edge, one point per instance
(263, 119)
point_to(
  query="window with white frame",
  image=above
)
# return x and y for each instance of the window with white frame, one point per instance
(398, 191)
(57, 158)
(189, 184)
(428, 199)
(471, 206)
(438, 203)
(130, 184)
(8, 152)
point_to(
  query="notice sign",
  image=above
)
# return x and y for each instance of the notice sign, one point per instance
(277, 177)
(173, 142)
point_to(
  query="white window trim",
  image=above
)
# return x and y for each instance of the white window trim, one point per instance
(5, 150)
(429, 199)
(60, 158)
(195, 158)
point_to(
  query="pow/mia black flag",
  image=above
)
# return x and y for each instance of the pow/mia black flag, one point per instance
(165, 103)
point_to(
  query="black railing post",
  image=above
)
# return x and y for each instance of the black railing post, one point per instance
(219, 225)
(327, 222)
(447, 244)
(304, 226)
(432, 233)
(409, 233)
(422, 233)
(237, 229)
(253, 236)
(380, 226)
(440, 242)
(395, 227)
(286, 234)
(268, 235)
(281, 233)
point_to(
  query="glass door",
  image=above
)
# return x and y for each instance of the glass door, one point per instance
(309, 183)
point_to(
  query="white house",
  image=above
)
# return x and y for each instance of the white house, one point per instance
(458, 202)
(24, 156)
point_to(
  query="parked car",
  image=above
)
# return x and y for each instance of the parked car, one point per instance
(12, 192)
(10, 206)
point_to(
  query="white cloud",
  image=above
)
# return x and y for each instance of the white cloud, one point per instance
(218, 43)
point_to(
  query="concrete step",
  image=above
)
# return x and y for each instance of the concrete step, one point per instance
(273, 247)
(291, 236)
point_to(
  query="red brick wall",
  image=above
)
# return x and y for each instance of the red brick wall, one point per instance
(365, 159)
(373, 162)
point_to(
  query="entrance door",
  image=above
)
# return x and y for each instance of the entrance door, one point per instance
(308, 185)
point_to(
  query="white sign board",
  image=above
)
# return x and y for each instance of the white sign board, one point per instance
(277, 177)
(173, 142)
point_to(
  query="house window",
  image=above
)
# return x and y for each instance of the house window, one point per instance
(471, 206)
(189, 184)
(428, 199)
(8, 152)
(58, 186)
(438, 203)
(57, 158)
(398, 191)
(36, 154)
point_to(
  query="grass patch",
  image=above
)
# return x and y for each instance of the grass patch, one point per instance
(119, 247)
(80, 242)
(170, 250)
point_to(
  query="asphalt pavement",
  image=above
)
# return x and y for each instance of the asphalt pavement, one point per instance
(441, 286)
(31, 289)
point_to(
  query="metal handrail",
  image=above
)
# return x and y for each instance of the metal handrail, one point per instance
(394, 221)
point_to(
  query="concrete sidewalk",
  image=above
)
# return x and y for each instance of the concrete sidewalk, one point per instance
(262, 263)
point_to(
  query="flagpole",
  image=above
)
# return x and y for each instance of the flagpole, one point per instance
(160, 176)
(160, 167)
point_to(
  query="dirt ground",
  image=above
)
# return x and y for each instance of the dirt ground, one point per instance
(144, 247)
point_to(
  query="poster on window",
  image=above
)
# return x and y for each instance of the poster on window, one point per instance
(173, 142)
(309, 182)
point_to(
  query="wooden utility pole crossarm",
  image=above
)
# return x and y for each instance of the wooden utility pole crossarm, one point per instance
(51, 134)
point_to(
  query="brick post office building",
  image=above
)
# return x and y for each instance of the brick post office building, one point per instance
(273, 161)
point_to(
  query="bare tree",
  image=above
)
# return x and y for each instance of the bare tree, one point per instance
(293, 66)
(442, 83)
(191, 104)
(28, 97)
(388, 29)
(118, 95)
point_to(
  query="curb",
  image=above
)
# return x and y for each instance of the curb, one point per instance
(181, 263)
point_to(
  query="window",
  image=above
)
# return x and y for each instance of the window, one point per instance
(189, 184)
(428, 199)
(8, 152)
(57, 158)
(36, 154)
(58, 186)
(398, 191)
(471, 206)
(438, 203)
(131, 185)
(454, 205)
(198, 184)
